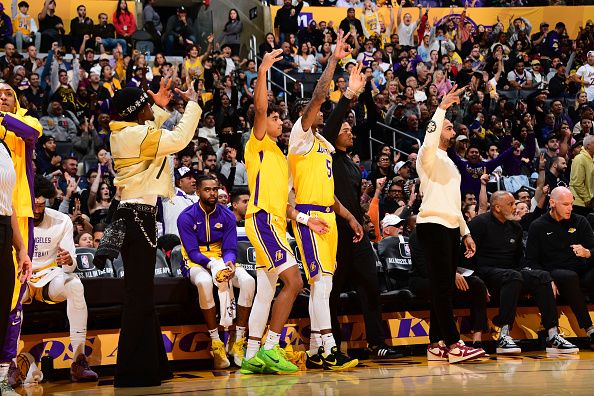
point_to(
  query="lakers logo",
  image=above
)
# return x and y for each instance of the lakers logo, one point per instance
(278, 256)
(312, 266)
(218, 226)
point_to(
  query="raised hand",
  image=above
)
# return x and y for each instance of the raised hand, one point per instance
(357, 79)
(164, 95)
(270, 58)
(452, 97)
(189, 94)
(342, 49)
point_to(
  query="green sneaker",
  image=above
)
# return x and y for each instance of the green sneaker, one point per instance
(252, 366)
(276, 361)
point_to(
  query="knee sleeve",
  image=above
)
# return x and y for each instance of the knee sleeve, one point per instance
(321, 290)
(247, 288)
(313, 323)
(261, 309)
(75, 293)
(203, 282)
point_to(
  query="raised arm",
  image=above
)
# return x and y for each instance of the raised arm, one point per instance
(310, 113)
(399, 15)
(261, 93)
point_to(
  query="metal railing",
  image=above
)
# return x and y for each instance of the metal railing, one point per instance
(394, 133)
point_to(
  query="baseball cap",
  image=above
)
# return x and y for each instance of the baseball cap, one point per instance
(391, 220)
(182, 9)
(543, 24)
(461, 138)
(182, 172)
(590, 53)
(535, 62)
(89, 50)
(103, 57)
(400, 164)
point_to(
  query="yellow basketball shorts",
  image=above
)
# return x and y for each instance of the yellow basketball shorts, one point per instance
(318, 252)
(268, 235)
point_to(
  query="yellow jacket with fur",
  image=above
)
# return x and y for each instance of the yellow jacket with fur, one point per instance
(140, 152)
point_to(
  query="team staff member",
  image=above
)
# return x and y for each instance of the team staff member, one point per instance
(11, 237)
(140, 148)
(310, 163)
(355, 260)
(562, 243)
(500, 263)
(439, 226)
(209, 245)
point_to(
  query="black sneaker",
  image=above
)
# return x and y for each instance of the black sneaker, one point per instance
(591, 341)
(384, 352)
(506, 344)
(338, 361)
(315, 362)
(558, 344)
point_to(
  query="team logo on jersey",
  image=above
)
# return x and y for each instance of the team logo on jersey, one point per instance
(312, 266)
(328, 209)
(571, 230)
(432, 127)
(218, 226)
(278, 256)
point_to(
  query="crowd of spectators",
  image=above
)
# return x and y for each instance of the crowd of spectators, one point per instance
(524, 123)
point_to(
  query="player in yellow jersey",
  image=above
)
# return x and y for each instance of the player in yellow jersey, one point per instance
(310, 162)
(265, 225)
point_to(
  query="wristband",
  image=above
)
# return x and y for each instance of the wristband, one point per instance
(302, 218)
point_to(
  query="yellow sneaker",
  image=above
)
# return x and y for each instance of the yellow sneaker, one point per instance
(217, 351)
(237, 351)
(298, 358)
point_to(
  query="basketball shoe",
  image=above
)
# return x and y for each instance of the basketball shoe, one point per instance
(298, 358)
(6, 389)
(506, 344)
(237, 351)
(437, 353)
(338, 361)
(80, 370)
(558, 344)
(276, 361)
(218, 353)
(384, 352)
(252, 366)
(460, 353)
(315, 361)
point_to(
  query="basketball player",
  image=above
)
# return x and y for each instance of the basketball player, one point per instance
(310, 162)
(209, 245)
(268, 181)
(439, 226)
(20, 133)
(52, 280)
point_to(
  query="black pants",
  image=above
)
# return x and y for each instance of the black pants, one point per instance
(7, 276)
(476, 295)
(356, 265)
(581, 210)
(442, 253)
(569, 284)
(508, 283)
(141, 360)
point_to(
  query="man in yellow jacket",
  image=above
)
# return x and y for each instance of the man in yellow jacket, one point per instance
(20, 133)
(141, 150)
(581, 180)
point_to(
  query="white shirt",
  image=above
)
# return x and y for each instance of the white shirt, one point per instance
(230, 66)
(586, 72)
(54, 231)
(7, 181)
(210, 134)
(172, 208)
(308, 63)
(440, 181)
(405, 34)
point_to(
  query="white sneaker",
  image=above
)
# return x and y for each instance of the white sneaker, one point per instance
(437, 353)
(558, 344)
(460, 353)
(506, 344)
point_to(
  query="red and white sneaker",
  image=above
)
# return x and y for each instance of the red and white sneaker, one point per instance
(437, 353)
(460, 353)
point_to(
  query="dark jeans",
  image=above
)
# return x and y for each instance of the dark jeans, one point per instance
(356, 266)
(476, 295)
(569, 284)
(141, 360)
(7, 277)
(442, 253)
(508, 283)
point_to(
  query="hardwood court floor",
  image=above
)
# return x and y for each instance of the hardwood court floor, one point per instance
(526, 374)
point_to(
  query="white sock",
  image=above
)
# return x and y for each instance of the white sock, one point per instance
(504, 331)
(214, 334)
(239, 332)
(590, 331)
(252, 348)
(553, 332)
(328, 343)
(315, 342)
(4, 370)
(272, 339)
(77, 340)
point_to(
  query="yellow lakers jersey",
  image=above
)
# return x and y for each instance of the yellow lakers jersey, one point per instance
(268, 177)
(313, 180)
